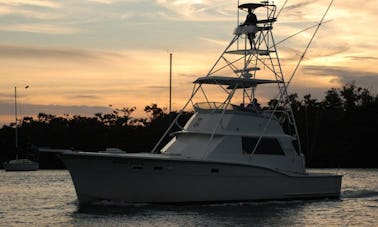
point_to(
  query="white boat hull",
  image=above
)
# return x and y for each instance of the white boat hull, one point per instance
(147, 180)
(21, 165)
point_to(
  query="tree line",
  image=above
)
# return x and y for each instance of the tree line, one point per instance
(337, 131)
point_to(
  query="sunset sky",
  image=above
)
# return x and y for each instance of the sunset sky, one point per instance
(79, 57)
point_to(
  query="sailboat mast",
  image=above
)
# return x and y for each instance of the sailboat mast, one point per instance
(15, 115)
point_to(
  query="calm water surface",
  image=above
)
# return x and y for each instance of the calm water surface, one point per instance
(47, 198)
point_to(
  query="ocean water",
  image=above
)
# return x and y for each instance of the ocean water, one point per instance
(47, 198)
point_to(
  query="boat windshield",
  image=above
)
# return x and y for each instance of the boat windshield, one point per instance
(212, 106)
(215, 106)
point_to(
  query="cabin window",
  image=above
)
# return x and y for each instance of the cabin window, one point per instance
(267, 146)
(296, 147)
(214, 170)
(137, 167)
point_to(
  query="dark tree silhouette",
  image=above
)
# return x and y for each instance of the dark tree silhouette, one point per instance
(337, 131)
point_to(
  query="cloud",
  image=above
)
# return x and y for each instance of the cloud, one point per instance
(38, 3)
(345, 75)
(35, 52)
(157, 87)
(41, 28)
(64, 18)
(17, 11)
(358, 58)
(85, 97)
(102, 1)
(215, 41)
(21, 13)
(108, 2)
(196, 10)
(7, 96)
(34, 109)
(299, 5)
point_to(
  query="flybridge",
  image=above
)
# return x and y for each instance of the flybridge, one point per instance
(233, 82)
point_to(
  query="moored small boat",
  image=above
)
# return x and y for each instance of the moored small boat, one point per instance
(21, 165)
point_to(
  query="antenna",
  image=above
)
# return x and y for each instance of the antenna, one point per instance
(170, 82)
(237, 21)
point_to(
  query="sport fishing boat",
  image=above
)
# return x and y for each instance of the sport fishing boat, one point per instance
(230, 150)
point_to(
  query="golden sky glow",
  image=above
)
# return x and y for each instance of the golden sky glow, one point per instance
(79, 57)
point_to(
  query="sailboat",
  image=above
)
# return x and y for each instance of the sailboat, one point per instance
(230, 150)
(19, 164)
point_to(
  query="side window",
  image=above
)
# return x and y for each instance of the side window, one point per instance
(268, 146)
(296, 147)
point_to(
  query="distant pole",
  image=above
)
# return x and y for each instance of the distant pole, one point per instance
(170, 82)
(237, 22)
(237, 10)
(15, 114)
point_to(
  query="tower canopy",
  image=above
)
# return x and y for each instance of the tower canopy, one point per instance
(250, 5)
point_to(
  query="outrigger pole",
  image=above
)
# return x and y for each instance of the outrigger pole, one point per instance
(308, 45)
(297, 33)
(286, 84)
